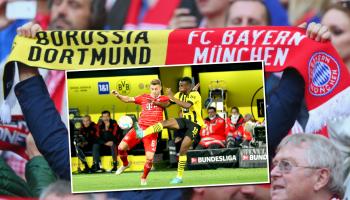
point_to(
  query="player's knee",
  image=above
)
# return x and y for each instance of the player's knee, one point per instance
(122, 147)
(149, 157)
(183, 152)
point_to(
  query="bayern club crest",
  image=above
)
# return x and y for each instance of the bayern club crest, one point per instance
(324, 74)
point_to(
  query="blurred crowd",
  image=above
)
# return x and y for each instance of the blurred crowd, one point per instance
(174, 14)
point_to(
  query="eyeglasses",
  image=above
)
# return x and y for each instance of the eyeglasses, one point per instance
(286, 166)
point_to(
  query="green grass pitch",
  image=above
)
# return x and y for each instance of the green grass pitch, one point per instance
(161, 179)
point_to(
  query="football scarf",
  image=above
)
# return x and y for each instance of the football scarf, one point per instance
(327, 80)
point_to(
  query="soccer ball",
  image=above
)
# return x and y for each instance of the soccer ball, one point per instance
(125, 122)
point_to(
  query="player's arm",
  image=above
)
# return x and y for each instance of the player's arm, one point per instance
(172, 98)
(182, 104)
(125, 99)
(162, 104)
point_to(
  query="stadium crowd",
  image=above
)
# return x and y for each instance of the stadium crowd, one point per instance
(41, 98)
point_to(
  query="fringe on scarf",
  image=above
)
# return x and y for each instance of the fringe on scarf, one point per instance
(337, 107)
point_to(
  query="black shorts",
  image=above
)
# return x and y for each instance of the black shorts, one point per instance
(190, 128)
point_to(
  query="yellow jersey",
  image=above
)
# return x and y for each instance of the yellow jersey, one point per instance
(194, 113)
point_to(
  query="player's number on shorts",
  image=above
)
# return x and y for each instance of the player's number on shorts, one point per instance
(195, 130)
(153, 145)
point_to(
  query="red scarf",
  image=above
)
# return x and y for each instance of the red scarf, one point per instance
(327, 79)
(156, 17)
(13, 137)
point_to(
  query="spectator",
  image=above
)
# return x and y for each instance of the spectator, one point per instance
(7, 31)
(311, 158)
(339, 134)
(305, 11)
(141, 14)
(339, 28)
(287, 92)
(234, 120)
(213, 135)
(214, 15)
(36, 104)
(231, 192)
(61, 190)
(37, 173)
(278, 8)
(11, 184)
(245, 131)
(107, 134)
(248, 13)
(85, 139)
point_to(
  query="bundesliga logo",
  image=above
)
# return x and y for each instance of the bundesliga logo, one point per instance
(245, 157)
(194, 160)
(324, 73)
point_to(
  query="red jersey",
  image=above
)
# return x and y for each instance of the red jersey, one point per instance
(243, 133)
(215, 129)
(150, 113)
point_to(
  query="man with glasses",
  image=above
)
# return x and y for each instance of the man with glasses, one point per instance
(307, 166)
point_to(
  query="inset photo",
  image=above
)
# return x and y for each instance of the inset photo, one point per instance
(167, 127)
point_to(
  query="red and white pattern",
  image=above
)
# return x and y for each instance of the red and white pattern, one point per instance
(151, 113)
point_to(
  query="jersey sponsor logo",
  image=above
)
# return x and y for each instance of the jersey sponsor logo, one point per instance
(216, 159)
(324, 74)
(103, 87)
(150, 106)
(123, 87)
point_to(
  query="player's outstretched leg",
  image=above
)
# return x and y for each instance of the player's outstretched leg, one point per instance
(158, 127)
(123, 154)
(138, 129)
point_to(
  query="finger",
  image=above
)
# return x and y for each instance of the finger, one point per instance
(315, 31)
(186, 22)
(326, 36)
(309, 29)
(183, 22)
(185, 19)
(19, 31)
(320, 33)
(34, 29)
(303, 25)
(181, 11)
(26, 29)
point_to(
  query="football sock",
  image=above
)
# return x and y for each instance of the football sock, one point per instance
(181, 166)
(123, 156)
(153, 129)
(147, 168)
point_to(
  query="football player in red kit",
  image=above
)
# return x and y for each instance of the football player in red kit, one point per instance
(152, 112)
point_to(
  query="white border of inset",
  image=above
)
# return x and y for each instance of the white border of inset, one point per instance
(151, 188)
